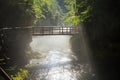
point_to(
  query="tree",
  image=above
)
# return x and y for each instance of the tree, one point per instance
(44, 9)
(78, 11)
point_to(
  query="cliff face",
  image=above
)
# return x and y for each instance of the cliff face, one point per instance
(13, 43)
(103, 29)
(103, 33)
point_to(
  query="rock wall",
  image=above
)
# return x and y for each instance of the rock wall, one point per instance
(14, 43)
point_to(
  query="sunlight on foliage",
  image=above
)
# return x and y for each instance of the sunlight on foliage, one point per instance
(70, 17)
(37, 8)
(85, 14)
(78, 11)
(45, 8)
(21, 75)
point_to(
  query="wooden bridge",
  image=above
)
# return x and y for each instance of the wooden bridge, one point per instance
(47, 30)
(54, 30)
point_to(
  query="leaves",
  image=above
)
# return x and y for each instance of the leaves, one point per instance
(78, 11)
(45, 8)
(70, 17)
(21, 75)
(85, 14)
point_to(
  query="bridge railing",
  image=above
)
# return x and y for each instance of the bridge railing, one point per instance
(55, 30)
(46, 30)
(11, 28)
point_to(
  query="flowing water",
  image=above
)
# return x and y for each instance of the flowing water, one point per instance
(58, 61)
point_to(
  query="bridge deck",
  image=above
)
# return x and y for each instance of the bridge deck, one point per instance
(55, 31)
(49, 30)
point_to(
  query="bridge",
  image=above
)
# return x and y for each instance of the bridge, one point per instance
(54, 30)
(47, 30)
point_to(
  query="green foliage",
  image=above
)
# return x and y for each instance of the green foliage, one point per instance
(85, 14)
(78, 11)
(70, 17)
(45, 8)
(21, 75)
(36, 9)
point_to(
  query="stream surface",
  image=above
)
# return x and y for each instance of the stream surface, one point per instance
(58, 61)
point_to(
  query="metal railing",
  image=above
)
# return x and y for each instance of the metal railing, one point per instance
(3, 73)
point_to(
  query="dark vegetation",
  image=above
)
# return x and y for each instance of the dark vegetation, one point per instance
(102, 28)
(13, 13)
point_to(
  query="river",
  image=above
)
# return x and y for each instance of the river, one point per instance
(58, 61)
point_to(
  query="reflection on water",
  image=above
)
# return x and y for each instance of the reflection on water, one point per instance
(59, 62)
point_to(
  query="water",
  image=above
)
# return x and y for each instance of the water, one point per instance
(58, 62)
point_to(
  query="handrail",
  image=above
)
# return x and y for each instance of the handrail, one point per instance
(8, 28)
(5, 28)
(51, 30)
(4, 74)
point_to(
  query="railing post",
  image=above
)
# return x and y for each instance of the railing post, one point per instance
(67, 30)
(32, 30)
(42, 30)
(59, 30)
(49, 32)
(52, 30)
(70, 30)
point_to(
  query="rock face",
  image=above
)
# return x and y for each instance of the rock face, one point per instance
(14, 45)
(103, 30)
